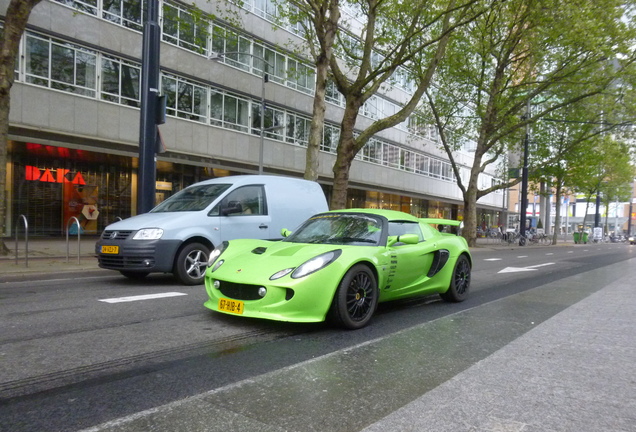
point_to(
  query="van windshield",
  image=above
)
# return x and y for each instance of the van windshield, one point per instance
(193, 198)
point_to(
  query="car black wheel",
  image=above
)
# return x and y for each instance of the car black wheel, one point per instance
(191, 263)
(356, 298)
(133, 274)
(460, 281)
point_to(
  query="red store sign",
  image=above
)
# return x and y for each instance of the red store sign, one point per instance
(60, 175)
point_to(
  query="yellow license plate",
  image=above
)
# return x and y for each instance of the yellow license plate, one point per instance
(231, 306)
(110, 249)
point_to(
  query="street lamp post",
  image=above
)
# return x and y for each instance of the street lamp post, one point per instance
(264, 79)
(524, 183)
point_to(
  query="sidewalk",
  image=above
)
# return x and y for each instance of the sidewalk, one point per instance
(49, 255)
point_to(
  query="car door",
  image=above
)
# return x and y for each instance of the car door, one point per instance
(243, 214)
(410, 262)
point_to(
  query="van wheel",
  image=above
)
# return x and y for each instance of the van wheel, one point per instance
(191, 264)
(133, 274)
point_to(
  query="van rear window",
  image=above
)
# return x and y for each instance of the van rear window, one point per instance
(193, 198)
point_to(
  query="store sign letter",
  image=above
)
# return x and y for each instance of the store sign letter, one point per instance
(60, 175)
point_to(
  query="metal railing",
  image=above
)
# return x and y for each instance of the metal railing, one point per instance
(26, 239)
(70, 223)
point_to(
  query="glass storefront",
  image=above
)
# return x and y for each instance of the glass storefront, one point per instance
(55, 187)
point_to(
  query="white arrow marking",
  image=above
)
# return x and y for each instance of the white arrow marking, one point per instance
(142, 297)
(523, 269)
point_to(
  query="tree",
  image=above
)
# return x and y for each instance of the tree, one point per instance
(16, 17)
(542, 54)
(568, 144)
(412, 33)
(324, 16)
(388, 34)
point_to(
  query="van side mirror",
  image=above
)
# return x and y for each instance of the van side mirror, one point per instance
(231, 207)
(285, 232)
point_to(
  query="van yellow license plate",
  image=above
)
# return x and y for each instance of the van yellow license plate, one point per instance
(231, 306)
(110, 249)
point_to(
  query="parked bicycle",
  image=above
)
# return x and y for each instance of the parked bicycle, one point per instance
(535, 239)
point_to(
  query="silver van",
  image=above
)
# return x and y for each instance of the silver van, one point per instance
(177, 235)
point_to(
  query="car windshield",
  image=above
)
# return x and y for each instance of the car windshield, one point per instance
(344, 229)
(193, 198)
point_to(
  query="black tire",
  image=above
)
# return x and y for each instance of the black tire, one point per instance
(133, 274)
(191, 264)
(460, 281)
(356, 298)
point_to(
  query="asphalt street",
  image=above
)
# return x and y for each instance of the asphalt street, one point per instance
(545, 342)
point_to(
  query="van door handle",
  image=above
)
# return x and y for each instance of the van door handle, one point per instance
(262, 226)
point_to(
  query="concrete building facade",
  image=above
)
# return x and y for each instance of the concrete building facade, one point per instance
(74, 122)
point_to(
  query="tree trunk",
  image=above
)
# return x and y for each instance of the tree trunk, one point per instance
(15, 22)
(317, 120)
(347, 149)
(326, 24)
(469, 231)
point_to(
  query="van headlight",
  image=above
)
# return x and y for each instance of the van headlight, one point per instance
(148, 234)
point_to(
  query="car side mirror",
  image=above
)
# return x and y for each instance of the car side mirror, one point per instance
(285, 232)
(231, 207)
(404, 239)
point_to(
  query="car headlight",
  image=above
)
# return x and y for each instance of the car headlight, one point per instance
(215, 254)
(281, 273)
(148, 234)
(315, 264)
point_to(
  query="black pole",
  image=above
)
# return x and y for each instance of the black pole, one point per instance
(597, 215)
(524, 191)
(148, 117)
(629, 221)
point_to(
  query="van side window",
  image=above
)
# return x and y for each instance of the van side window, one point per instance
(246, 200)
(397, 228)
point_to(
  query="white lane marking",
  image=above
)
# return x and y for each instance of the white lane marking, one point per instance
(142, 297)
(522, 256)
(492, 259)
(548, 254)
(523, 269)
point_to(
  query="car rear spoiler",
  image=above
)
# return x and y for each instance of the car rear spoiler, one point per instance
(436, 221)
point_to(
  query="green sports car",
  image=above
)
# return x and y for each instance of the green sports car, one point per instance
(338, 265)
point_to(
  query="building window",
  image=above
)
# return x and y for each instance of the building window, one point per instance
(88, 6)
(126, 13)
(184, 99)
(60, 65)
(235, 48)
(183, 29)
(330, 137)
(275, 64)
(297, 130)
(120, 82)
(274, 123)
(229, 111)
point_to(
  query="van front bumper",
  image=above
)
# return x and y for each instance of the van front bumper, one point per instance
(138, 255)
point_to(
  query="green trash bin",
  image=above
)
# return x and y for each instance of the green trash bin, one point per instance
(576, 236)
(585, 236)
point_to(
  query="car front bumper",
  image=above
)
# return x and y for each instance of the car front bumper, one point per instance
(138, 255)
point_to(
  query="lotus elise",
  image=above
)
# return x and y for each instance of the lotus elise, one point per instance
(338, 265)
